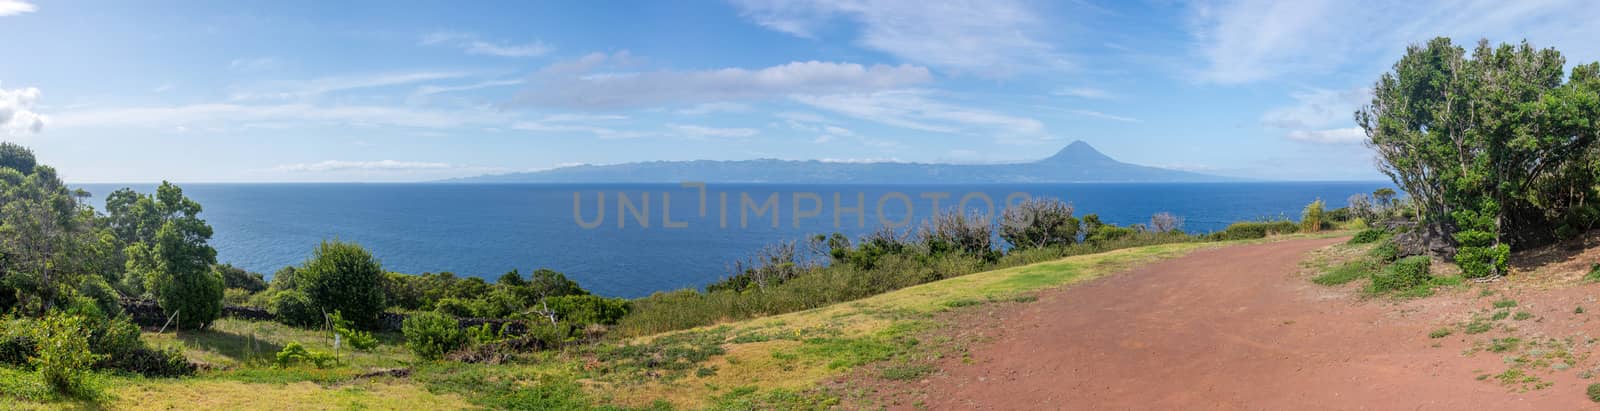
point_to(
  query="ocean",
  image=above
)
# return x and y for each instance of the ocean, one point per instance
(485, 230)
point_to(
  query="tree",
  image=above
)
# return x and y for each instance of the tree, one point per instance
(235, 277)
(1312, 217)
(17, 157)
(1165, 222)
(175, 265)
(344, 277)
(1038, 223)
(1496, 148)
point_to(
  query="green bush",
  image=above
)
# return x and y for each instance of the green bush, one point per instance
(1594, 392)
(588, 309)
(431, 335)
(344, 277)
(104, 296)
(1312, 218)
(151, 362)
(1246, 230)
(1368, 236)
(1385, 251)
(294, 353)
(63, 358)
(293, 307)
(1594, 273)
(455, 307)
(357, 339)
(1406, 273)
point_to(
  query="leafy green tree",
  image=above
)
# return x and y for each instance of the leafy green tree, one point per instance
(1496, 148)
(48, 240)
(175, 265)
(235, 277)
(344, 277)
(1312, 217)
(17, 157)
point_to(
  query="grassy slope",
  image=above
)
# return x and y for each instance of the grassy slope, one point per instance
(766, 361)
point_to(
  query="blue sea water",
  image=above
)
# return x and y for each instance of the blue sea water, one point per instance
(485, 230)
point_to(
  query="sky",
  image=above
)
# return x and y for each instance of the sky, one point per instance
(383, 91)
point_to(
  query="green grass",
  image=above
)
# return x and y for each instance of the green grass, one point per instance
(1506, 303)
(1522, 315)
(1477, 327)
(1593, 392)
(1440, 333)
(1499, 345)
(1500, 315)
(1349, 271)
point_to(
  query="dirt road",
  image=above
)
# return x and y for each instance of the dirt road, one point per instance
(1228, 328)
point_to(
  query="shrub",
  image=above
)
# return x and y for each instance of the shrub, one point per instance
(235, 277)
(152, 362)
(1385, 251)
(1594, 392)
(1246, 230)
(455, 307)
(293, 307)
(106, 298)
(1406, 273)
(1109, 233)
(294, 353)
(954, 232)
(357, 339)
(344, 277)
(1165, 222)
(1038, 223)
(63, 357)
(1312, 217)
(1368, 236)
(1594, 273)
(236, 297)
(430, 334)
(588, 309)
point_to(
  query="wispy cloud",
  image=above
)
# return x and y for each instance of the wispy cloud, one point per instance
(300, 89)
(472, 44)
(1241, 41)
(430, 89)
(690, 130)
(222, 115)
(15, 7)
(575, 84)
(577, 124)
(1350, 135)
(336, 165)
(16, 111)
(714, 107)
(913, 109)
(1096, 114)
(993, 38)
(1320, 116)
(1084, 92)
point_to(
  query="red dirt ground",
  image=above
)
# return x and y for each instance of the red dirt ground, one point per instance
(1242, 328)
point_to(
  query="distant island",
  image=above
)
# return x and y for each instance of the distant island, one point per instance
(1077, 163)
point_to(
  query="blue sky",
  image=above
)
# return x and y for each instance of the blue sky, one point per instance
(413, 91)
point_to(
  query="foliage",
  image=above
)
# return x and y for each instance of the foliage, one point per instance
(1497, 148)
(1403, 274)
(294, 353)
(1040, 222)
(169, 256)
(344, 277)
(294, 307)
(431, 335)
(355, 338)
(1312, 218)
(1165, 222)
(1368, 236)
(1246, 230)
(235, 277)
(588, 309)
(955, 232)
(63, 357)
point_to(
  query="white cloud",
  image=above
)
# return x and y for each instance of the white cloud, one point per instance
(574, 84)
(471, 44)
(1320, 116)
(1350, 135)
(1241, 41)
(16, 111)
(1084, 92)
(987, 38)
(383, 165)
(223, 115)
(1318, 108)
(1096, 114)
(695, 131)
(15, 7)
(913, 109)
(430, 90)
(715, 107)
(576, 124)
(300, 89)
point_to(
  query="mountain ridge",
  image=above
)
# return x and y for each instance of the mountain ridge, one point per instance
(1078, 162)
